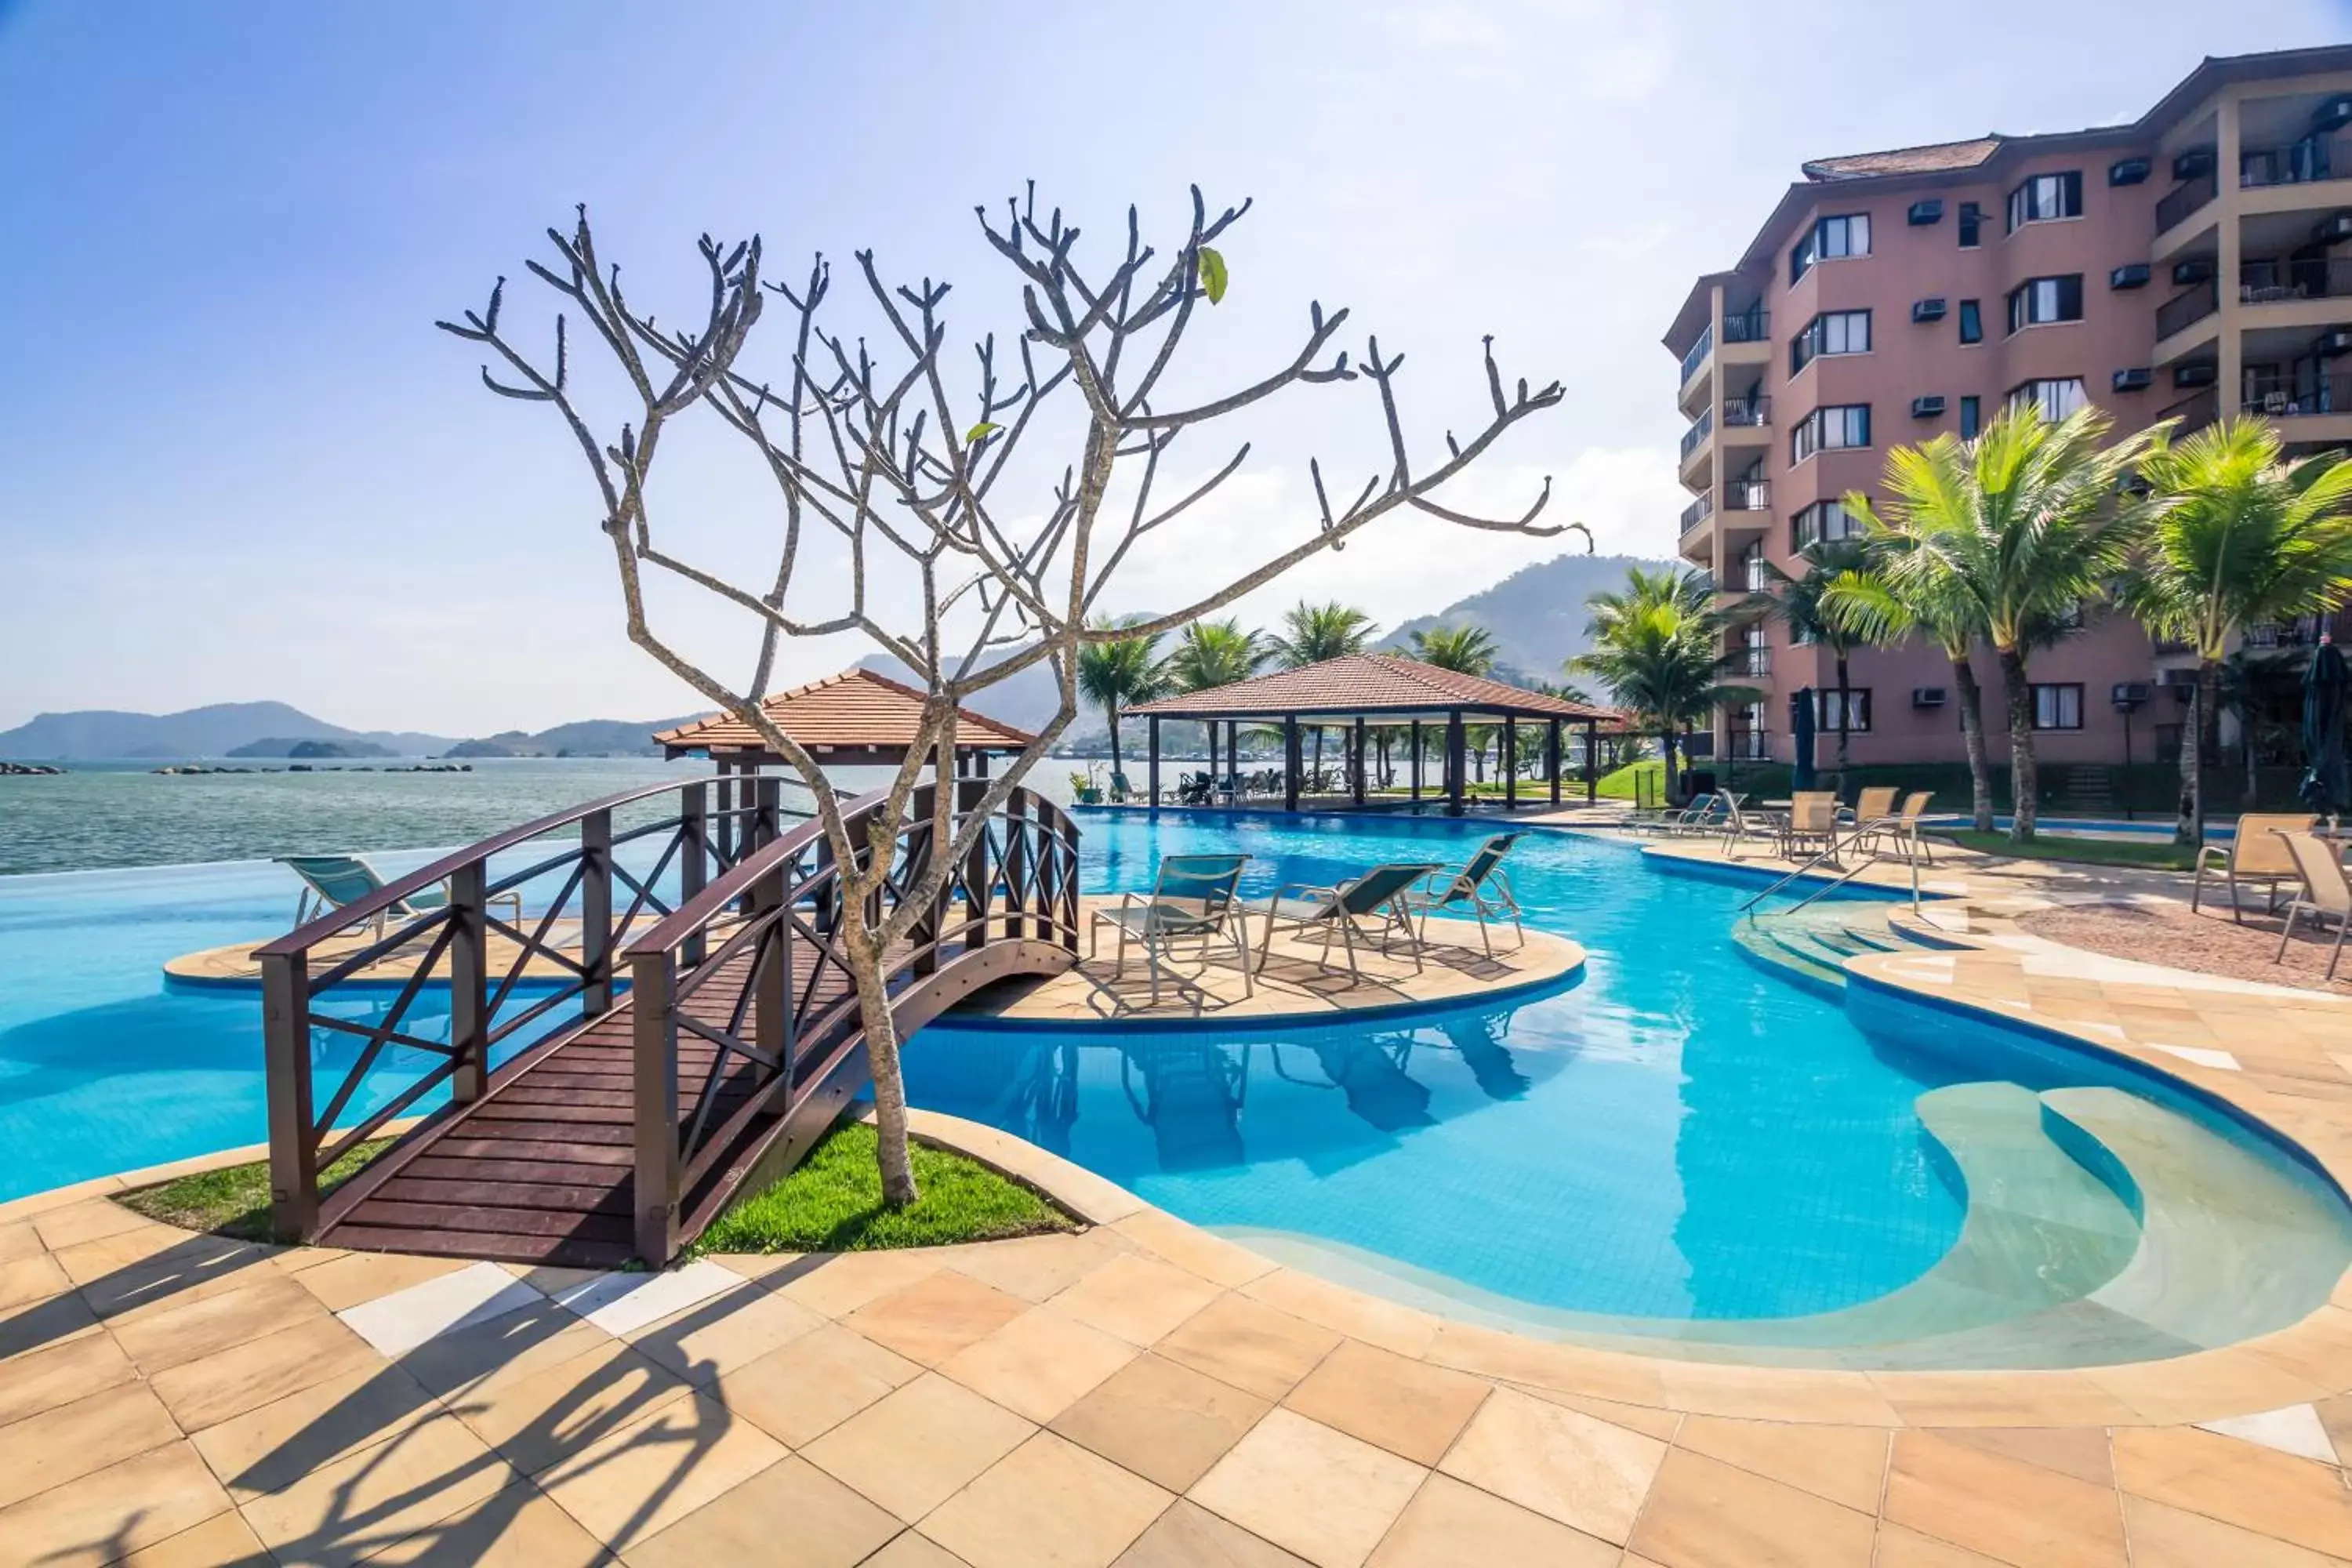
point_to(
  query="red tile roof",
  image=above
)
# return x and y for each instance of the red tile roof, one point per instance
(1367, 683)
(1932, 159)
(856, 709)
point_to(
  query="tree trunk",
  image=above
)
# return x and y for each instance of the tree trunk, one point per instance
(1112, 709)
(1845, 717)
(2191, 828)
(1667, 750)
(2023, 783)
(1972, 736)
(882, 1061)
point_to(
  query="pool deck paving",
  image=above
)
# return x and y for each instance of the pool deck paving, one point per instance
(1142, 1393)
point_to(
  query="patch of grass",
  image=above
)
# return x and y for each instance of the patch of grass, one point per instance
(234, 1201)
(832, 1202)
(1619, 784)
(2164, 856)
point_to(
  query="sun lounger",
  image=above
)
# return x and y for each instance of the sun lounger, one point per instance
(1479, 887)
(1370, 909)
(2257, 856)
(1191, 901)
(332, 882)
(2327, 894)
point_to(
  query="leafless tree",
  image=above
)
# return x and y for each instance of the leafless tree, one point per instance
(884, 452)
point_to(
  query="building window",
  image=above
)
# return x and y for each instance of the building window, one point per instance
(1971, 219)
(1824, 523)
(1971, 418)
(1971, 322)
(2038, 302)
(2058, 706)
(1856, 708)
(1829, 429)
(2044, 197)
(1831, 240)
(1834, 333)
(2056, 399)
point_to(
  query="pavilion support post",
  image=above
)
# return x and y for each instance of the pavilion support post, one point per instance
(654, 1082)
(1216, 772)
(1233, 759)
(1591, 761)
(1292, 758)
(1455, 761)
(1551, 759)
(1151, 757)
(1417, 762)
(1356, 762)
(1510, 760)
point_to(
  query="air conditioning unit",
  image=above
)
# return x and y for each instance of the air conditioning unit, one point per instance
(2333, 344)
(1928, 407)
(2127, 695)
(1927, 696)
(1926, 212)
(2332, 230)
(2192, 163)
(2196, 269)
(2128, 172)
(1927, 309)
(2130, 274)
(2333, 115)
(2138, 378)
(2196, 372)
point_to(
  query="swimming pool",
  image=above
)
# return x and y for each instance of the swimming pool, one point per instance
(1672, 1142)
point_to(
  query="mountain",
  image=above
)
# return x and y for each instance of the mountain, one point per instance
(279, 746)
(211, 732)
(1027, 701)
(1537, 614)
(582, 737)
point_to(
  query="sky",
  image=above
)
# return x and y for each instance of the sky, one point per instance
(237, 462)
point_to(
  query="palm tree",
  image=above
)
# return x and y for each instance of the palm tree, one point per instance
(1313, 633)
(2238, 537)
(2009, 535)
(1657, 645)
(1118, 674)
(1214, 653)
(1900, 591)
(1468, 651)
(1800, 603)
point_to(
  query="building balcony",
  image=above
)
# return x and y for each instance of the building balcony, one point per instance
(2303, 633)
(1753, 662)
(1700, 429)
(2186, 308)
(2285, 282)
(1747, 495)
(1748, 745)
(1748, 414)
(2186, 202)
(2325, 396)
(2194, 412)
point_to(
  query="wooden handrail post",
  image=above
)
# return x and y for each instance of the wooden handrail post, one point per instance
(597, 912)
(286, 1049)
(693, 858)
(469, 999)
(653, 989)
(978, 890)
(771, 1026)
(921, 850)
(1016, 863)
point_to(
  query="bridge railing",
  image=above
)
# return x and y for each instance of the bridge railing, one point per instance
(745, 1006)
(348, 998)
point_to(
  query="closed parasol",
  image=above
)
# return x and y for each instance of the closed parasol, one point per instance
(1801, 730)
(2324, 786)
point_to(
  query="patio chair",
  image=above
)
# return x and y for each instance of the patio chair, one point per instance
(1371, 908)
(1874, 803)
(1479, 886)
(1121, 792)
(1811, 825)
(2258, 855)
(1742, 827)
(1191, 900)
(1898, 829)
(331, 882)
(2327, 894)
(1704, 814)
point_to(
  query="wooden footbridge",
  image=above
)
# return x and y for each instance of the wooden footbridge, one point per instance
(620, 1134)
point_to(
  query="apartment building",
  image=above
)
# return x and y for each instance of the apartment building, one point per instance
(2196, 259)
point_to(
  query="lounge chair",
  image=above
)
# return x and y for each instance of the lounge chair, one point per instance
(2326, 893)
(1812, 823)
(1900, 829)
(2257, 855)
(1479, 887)
(1874, 803)
(1121, 792)
(1742, 827)
(331, 882)
(1191, 900)
(1372, 907)
(1705, 814)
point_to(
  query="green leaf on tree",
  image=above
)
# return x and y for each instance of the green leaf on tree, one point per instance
(980, 432)
(1212, 275)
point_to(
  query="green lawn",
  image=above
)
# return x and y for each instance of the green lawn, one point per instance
(2164, 854)
(234, 1200)
(832, 1202)
(1619, 784)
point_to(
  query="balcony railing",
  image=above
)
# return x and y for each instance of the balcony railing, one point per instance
(2270, 282)
(1747, 495)
(2187, 309)
(2322, 394)
(2194, 412)
(1699, 353)
(1750, 326)
(1748, 745)
(1758, 576)
(1753, 661)
(1747, 414)
(2177, 206)
(2295, 163)
(1701, 429)
(1698, 511)
(2303, 633)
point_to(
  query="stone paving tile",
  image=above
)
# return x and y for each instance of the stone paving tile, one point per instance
(1704, 1513)
(348, 1511)
(715, 1337)
(36, 1278)
(181, 1332)
(1317, 1493)
(792, 1507)
(1048, 1504)
(1847, 1465)
(1189, 1536)
(1166, 1423)
(400, 1320)
(2002, 1506)
(85, 1221)
(268, 1449)
(1449, 1525)
(553, 1414)
(1563, 1464)
(1248, 1344)
(2080, 1452)
(630, 1304)
(211, 1389)
(1899, 1547)
(633, 1483)
(79, 1436)
(519, 1527)
(1038, 1267)
(224, 1541)
(2238, 1483)
(356, 1278)
(1405, 1330)
(911, 1549)
(919, 1446)
(501, 1349)
(838, 1285)
(102, 1514)
(1138, 1298)
(58, 1373)
(1212, 1258)
(2165, 1537)
(1040, 1364)
(813, 1383)
(935, 1317)
(1408, 1407)
(19, 1240)
(129, 1289)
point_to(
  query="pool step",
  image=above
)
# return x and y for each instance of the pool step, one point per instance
(1814, 948)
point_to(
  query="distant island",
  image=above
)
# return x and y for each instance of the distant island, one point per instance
(311, 751)
(274, 729)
